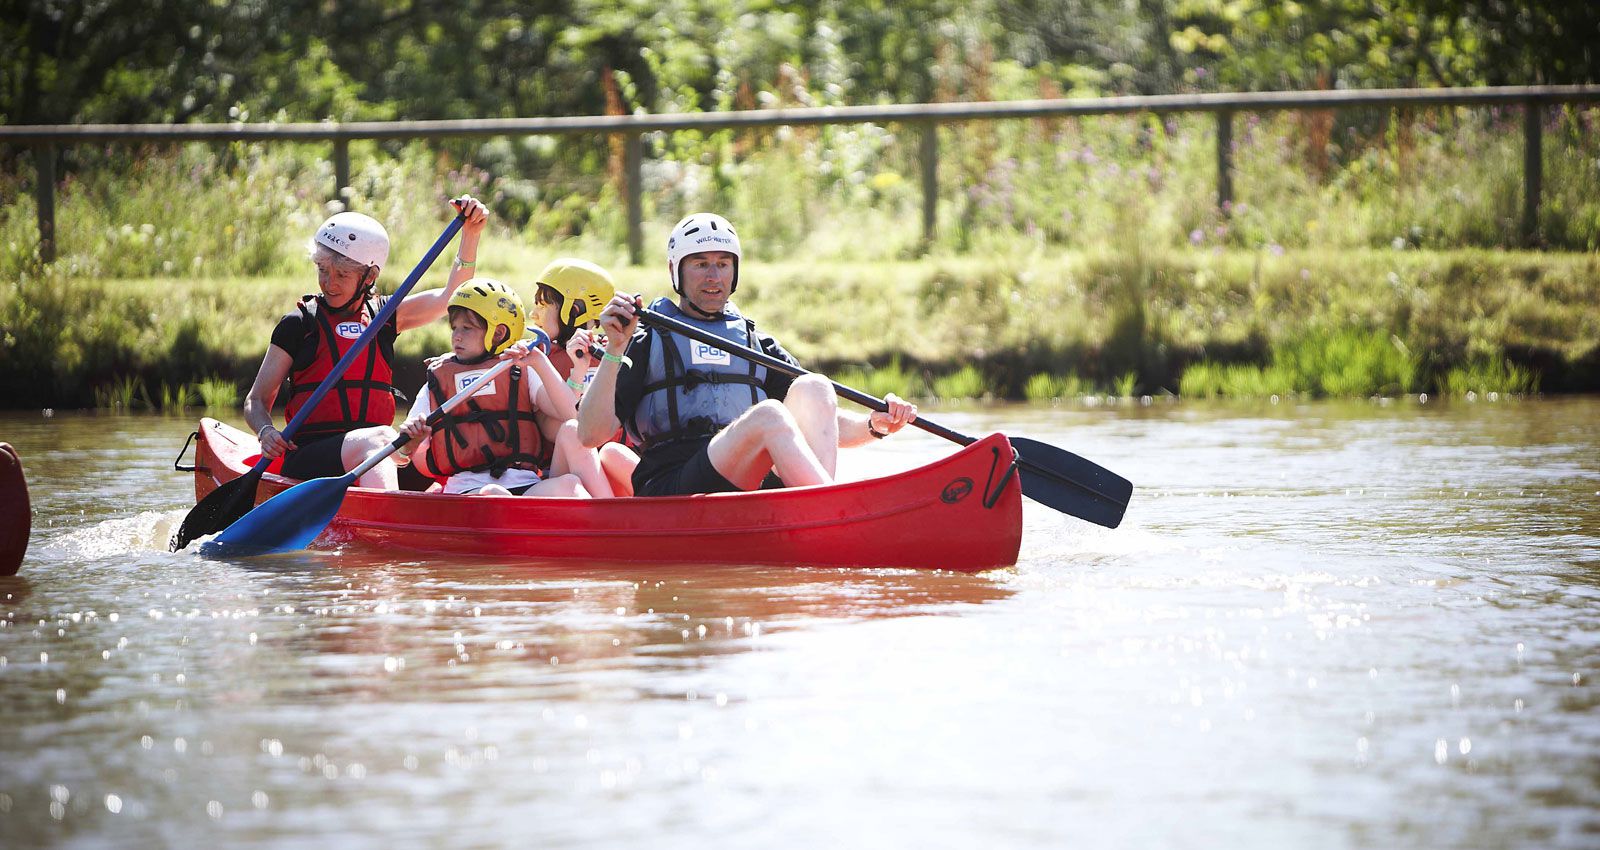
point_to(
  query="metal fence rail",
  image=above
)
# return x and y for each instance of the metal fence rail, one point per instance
(926, 117)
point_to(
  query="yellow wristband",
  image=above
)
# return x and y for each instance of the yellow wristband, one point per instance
(615, 359)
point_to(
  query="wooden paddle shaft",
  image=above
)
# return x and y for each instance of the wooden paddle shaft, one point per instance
(477, 384)
(651, 317)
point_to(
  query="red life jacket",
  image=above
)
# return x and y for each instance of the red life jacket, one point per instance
(560, 359)
(492, 431)
(364, 396)
(563, 364)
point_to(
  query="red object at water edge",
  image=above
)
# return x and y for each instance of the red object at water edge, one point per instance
(16, 512)
(962, 512)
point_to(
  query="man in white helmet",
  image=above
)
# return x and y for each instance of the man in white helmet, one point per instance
(356, 417)
(705, 420)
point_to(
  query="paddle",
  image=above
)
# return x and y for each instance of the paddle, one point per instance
(294, 518)
(1051, 476)
(222, 506)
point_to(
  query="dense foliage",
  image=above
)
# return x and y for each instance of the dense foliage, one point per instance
(182, 60)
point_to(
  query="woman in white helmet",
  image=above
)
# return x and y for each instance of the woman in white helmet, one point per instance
(356, 417)
(705, 420)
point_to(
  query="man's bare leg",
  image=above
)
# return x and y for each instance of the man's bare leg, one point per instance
(766, 438)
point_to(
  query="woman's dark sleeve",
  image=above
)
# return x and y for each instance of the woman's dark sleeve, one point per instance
(290, 334)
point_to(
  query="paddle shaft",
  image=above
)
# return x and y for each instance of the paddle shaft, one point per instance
(651, 317)
(394, 446)
(389, 306)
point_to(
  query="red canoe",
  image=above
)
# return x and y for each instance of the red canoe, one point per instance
(963, 512)
(16, 514)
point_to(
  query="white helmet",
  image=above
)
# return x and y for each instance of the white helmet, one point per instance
(698, 233)
(357, 236)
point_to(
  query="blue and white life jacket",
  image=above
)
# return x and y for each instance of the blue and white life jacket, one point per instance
(691, 389)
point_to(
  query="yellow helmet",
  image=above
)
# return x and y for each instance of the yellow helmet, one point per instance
(585, 288)
(496, 304)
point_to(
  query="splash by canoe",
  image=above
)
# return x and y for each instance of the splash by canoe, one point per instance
(962, 512)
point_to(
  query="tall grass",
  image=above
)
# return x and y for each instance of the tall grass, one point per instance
(217, 393)
(1345, 363)
(892, 378)
(1047, 386)
(1489, 375)
(121, 394)
(964, 383)
(1206, 380)
(174, 398)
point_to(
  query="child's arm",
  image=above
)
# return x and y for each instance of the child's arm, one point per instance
(549, 394)
(578, 349)
(416, 425)
(420, 308)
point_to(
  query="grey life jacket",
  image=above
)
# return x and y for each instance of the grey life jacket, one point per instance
(691, 389)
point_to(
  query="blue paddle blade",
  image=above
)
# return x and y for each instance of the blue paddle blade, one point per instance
(284, 523)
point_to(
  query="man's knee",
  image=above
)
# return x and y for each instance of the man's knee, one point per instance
(812, 390)
(770, 416)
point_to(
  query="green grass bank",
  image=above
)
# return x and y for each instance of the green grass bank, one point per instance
(1194, 322)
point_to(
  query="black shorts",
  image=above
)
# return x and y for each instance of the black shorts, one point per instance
(696, 475)
(323, 458)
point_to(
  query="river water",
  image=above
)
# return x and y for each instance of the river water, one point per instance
(1329, 625)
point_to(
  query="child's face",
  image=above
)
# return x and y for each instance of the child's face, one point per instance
(466, 335)
(547, 315)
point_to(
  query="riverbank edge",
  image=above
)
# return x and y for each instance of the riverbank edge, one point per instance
(1129, 320)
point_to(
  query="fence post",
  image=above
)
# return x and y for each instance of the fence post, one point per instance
(1532, 170)
(341, 171)
(1225, 161)
(44, 193)
(930, 182)
(633, 164)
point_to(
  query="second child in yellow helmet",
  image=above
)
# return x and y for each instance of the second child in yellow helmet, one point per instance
(571, 294)
(490, 445)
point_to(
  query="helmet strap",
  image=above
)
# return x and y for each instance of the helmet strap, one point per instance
(687, 306)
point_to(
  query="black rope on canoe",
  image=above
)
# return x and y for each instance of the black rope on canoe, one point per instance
(177, 461)
(991, 497)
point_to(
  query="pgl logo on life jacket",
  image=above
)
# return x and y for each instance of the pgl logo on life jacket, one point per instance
(465, 379)
(349, 330)
(708, 354)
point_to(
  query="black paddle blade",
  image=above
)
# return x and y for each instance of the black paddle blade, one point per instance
(220, 508)
(1072, 484)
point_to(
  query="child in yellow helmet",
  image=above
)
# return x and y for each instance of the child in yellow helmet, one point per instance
(571, 293)
(490, 445)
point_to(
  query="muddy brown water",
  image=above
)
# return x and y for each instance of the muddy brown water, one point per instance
(1363, 624)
